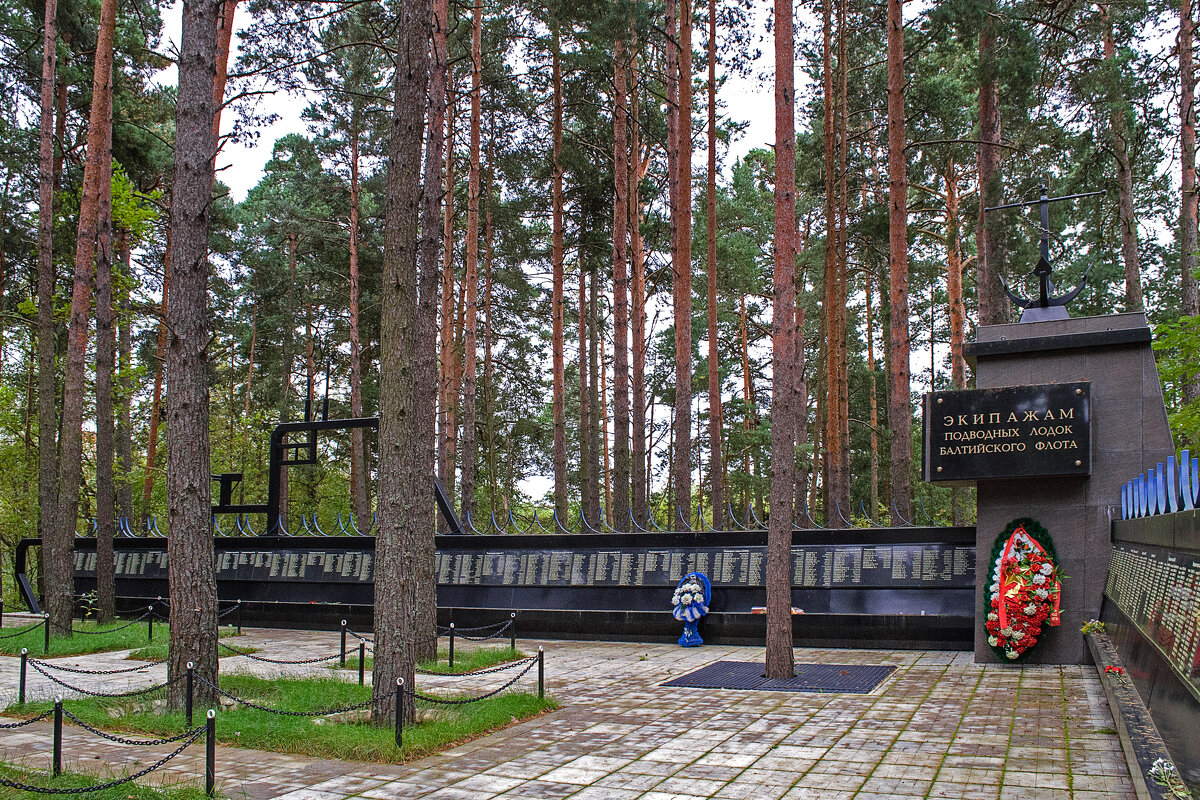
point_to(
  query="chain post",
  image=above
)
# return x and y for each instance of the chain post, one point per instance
(1, 612)
(21, 685)
(57, 766)
(189, 682)
(541, 673)
(362, 662)
(238, 613)
(46, 632)
(150, 623)
(451, 645)
(512, 630)
(210, 753)
(343, 644)
(399, 712)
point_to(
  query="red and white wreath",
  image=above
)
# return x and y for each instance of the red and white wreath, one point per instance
(1024, 589)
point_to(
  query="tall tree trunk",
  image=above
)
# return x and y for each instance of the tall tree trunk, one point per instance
(832, 458)
(748, 395)
(595, 469)
(605, 464)
(716, 464)
(471, 262)
(425, 370)
(359, 471)
(404, 554)
(557, 304)
(640, 469)
(489, 377)
(59, 582)
(682, 278)
(586, 478)
(899, 407)
(874, 395)
(47, 401)
(193, 586)
(954, 275)
(993, 302)
(284, 407)
(106, 346)
(620, 479)
(1187, 158)
(124, 388)
(780, 660)
(160, 363)
(447, 402)
(1118, 108)
(843, 280)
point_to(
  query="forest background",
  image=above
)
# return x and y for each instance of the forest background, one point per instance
(659, 407)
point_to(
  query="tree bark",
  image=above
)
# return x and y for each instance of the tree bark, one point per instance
(639, 470)
(899, 405)
(447, 400)
(489, 376)
(471, 264)
(106, 346)
(124, 389)
(404, 554)
(874, 395)
(620, 479)
(1187, 158)
(682, 282)
(557, 304)
(59, 577)
(359, 471)
(192, 576)
(780, 659)
(595, 448)
(47, 401)
(832, 457)
(716, 463)
(160, 362)
(993, 302)
(586, 478)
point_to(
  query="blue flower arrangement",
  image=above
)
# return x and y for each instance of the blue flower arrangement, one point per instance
(689, 603)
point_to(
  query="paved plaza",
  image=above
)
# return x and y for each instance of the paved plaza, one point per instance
(940, 726)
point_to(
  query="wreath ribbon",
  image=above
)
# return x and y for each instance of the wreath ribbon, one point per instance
(1010, 584)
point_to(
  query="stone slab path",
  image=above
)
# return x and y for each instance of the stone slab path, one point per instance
(939, 727)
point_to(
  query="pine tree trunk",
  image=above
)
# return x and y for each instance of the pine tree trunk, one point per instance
(899, 405)
(595, 468)
(874, 395)
(425, 370)
(843, 280)
(585, 451)
(639, 469)
(605, 464)
(682, 265)
(558, 305)
(1190, 305)
(192, 576)
(471, 263)
(716, 466)
(160, 363)
(360, 492)
(59, 576)
(489, 377)
(748, 395)
(780, 660)
(447, 421)
(47, 400)
(954, 289)
(621, 503)
(832, 457)
(993, 302)
(404, 553)
(106, 346)
(124, 390)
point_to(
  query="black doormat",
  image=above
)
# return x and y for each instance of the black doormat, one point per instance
(848, 678)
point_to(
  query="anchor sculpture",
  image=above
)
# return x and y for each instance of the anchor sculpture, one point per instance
(1046, 306)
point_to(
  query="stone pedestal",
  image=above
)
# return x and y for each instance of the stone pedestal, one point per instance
(1129, 434)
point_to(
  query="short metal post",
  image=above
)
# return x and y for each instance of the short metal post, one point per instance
(399, 712)
(188, 682)
(46, 632)
(239, 617)
(21, 684)
(362, 662)
(512, 630)
(343, 644)
(1, 613)
(57, 768)
(150, 623)
(541, 673)
(210, 753)
(451, 645)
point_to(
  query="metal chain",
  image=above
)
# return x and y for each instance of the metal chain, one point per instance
(71, 629)
(463, 701)
(360, 637)
(44, 715)
(24, 787)
(499, 626)
(34, 626)
(120, 740)
(228, 611)
(484, 671)
(276, 660)
(81, 671)
(37, 665)
(270, 710)
(495, 635)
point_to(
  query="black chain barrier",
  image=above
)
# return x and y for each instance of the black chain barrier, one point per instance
(24, 787)
(32, 627)
(253, 657)
(37, 665)
(82, 671)
(72, 630)
(481, 671)
(121, 740)
(44, 715)
(282, 712)
(495, 627)
(360, 637)
(462, 701)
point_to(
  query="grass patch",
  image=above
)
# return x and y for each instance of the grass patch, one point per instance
(84, 640)
(349, 737)
(158, 650)
(72, 780)
(464, 660)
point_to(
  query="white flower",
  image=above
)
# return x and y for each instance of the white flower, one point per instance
(1039, 579)
(1030, 609)
(993, 641)
(993, 616)
(1012, 654)
(1041, 593)
(1018, 635)
(995, 587)
(1047, 569)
